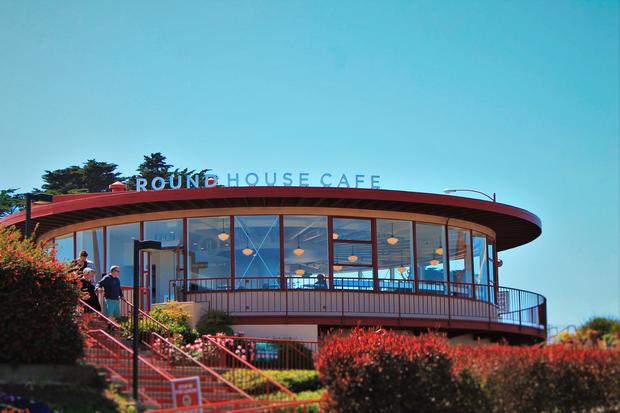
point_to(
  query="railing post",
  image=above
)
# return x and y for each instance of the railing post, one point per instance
(519, 308)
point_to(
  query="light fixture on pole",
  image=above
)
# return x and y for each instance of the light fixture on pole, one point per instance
(450, 191)
(392, 240)
(298, 251)
(36, 199)
(223, 236)
(137, 247)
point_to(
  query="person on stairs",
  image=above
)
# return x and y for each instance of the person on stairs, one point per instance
(89, 296)
(112, 292)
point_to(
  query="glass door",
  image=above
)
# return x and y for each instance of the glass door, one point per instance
(162, 267)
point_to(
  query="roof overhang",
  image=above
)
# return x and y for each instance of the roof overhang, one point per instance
(513, 226)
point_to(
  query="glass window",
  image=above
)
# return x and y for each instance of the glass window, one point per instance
(305, 251)
(64, 248)
(459, 241)
(350, 253)
(209, 251)
(353, 278)
(257, 252)
(481, 273)
(168, 232)
(431, 258)
(395, 254)
(351, 229)
(119, 242)
(91, 241)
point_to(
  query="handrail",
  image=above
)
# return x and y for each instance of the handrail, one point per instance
(204, 367)
(263, 405)
(251, 366)
(100, 314)
(130, 351)
(150, 318)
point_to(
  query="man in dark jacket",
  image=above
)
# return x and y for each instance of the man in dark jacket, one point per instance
(112, 292)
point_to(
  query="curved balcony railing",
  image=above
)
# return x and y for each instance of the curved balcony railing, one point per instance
(389, 298)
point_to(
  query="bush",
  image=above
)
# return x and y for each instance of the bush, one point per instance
(213, 322)
(382, 371)
(174, 319)
(37, 304)
(385, 371)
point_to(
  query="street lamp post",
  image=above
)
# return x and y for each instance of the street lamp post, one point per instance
(449, 191)
(137, 247)
(37, 199)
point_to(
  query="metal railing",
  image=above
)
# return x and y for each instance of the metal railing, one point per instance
(288, 296)
(256, 406)
(274, 353)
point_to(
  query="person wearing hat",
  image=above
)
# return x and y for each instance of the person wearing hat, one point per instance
(89, 296)
(112, 292)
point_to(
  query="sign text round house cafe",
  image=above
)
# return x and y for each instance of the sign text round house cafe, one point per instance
(260, 179)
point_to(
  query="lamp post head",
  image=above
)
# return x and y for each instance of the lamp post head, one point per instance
(449, 191)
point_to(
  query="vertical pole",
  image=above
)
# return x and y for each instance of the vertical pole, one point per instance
(375, 258)
(136, 298)
(28, 215)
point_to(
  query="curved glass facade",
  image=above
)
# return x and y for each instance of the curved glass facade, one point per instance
(248, 252)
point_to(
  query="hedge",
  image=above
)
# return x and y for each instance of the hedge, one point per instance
(383, 371)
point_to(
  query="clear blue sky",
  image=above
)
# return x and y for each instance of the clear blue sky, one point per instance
(519, 98)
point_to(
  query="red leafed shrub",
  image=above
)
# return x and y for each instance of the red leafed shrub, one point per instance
(379, 371)
(37, 304)
(383, 371)
(553, 378)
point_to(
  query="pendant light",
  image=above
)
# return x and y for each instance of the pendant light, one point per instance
(434, 262)
(247, 250)
(352, 257)
(337, 267)
(300, 271)
(392, 240)
(298, 251)
(335, 235)
(401, 269)
(439, 251)
(223, 236)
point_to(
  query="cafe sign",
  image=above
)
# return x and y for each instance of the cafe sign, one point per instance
(299, 179)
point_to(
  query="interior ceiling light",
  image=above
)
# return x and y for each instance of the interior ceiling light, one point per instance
(335, 235)
(300, 271)
(401, 269)
(247, 250)
(352, 257)
(434, 262)
(392, 240)
(298, 251)
(439, 251)
(337, 267)
(223, 236)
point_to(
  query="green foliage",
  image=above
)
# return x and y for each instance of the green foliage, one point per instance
(93, 176)
(176, 318)
(155, 165)
(213, 322)
(10, 201)
(37, 304)
(295, 380)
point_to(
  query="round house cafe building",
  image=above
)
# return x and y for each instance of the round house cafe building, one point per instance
(295, 261)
